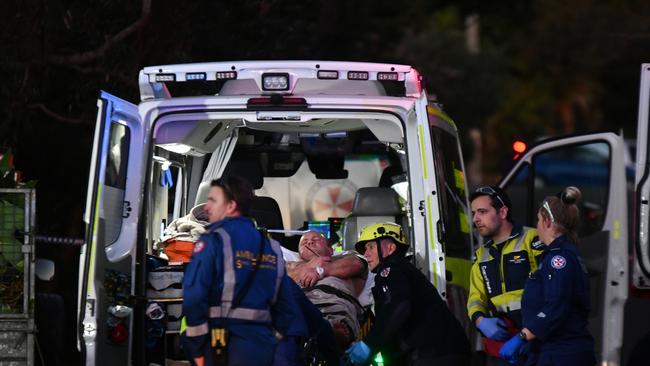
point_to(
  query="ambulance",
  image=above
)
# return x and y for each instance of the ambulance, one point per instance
(327, 145)
(331, 146)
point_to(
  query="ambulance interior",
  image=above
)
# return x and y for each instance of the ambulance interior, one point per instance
(305, 175)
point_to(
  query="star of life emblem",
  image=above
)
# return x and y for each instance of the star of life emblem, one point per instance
(558, 262)
(199, 246)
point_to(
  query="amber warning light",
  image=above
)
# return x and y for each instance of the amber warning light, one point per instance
(519, 148)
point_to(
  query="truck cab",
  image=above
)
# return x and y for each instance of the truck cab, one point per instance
(327, 145)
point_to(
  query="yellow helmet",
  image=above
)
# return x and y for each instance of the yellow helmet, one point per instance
(378, 231)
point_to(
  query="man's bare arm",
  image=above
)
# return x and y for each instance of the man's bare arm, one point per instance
(345, 267)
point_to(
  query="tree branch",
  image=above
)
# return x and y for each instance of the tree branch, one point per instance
(88, 56)
(58, 117)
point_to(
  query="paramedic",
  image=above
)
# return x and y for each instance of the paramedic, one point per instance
(235, 287)
(412, 323)
(331, 282)
(509, 252)
(556, 303)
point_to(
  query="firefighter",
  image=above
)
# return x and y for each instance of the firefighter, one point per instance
(412, 323)
(556, 302)
(508, 254)
(235, 289)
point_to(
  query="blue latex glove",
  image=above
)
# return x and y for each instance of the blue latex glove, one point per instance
(493, 328)
(358, 353)
(510, 349)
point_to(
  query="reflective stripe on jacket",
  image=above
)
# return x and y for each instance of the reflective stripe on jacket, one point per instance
(222, 261)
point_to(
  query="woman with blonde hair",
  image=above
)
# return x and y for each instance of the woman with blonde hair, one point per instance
(555, 303)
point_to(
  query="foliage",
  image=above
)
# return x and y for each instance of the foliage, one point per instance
(543, 67)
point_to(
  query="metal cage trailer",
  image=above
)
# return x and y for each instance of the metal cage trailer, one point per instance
(17, 325)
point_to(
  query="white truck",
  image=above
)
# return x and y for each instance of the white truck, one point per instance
(323, 143)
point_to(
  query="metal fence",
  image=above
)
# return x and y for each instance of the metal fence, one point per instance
(17, 222)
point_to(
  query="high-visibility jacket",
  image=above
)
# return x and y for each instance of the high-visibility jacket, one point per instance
(499, 274)
(222, 260)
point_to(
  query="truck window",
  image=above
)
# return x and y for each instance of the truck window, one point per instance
(451, 183)
(523, 212)
(585, 166)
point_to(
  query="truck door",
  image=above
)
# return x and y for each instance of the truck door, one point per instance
(595, 164)
(111, 215)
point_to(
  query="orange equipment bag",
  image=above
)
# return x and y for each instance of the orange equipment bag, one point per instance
(178, 250)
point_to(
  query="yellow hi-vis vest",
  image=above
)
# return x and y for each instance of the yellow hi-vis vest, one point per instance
(500, 271)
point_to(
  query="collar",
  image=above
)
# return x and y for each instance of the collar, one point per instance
(559, 243)
(387, 261)
(226, 221)
(517, 229)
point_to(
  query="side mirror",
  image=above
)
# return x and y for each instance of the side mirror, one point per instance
(44, 269)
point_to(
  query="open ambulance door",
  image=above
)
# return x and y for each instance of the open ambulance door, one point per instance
(636, 342)
(113, 205)
(595, 164)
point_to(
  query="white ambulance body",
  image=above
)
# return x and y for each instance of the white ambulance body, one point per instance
(322, 142)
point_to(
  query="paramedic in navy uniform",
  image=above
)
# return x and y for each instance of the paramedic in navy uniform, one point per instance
(555, 303)
(222, 260)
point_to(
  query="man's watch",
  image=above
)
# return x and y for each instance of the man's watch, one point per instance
(522, 335)
(321, 271)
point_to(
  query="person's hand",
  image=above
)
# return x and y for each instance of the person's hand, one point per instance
(510, 349)
(358, 353)
(493, 328)
(308, 277)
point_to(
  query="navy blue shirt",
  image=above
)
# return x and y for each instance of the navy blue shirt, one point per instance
(556, 303)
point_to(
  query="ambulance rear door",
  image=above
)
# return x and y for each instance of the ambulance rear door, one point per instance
(595, 164)
(637, 321)
(113, 205)
(641, 268)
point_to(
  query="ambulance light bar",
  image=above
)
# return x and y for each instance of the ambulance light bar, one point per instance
(279, 77)
(328, 74)
(195, 76)
(226, 75)
(387, 76)
(165, 77)
(275, 81)
(358, 75)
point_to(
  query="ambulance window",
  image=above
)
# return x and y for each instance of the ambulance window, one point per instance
(117, 156)
(115, 180)
(585, 166)
(518, 192)
(451, 183)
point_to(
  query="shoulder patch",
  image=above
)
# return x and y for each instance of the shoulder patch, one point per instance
(385, 272)
(198, 246)
(558, 262)
(537, 244)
